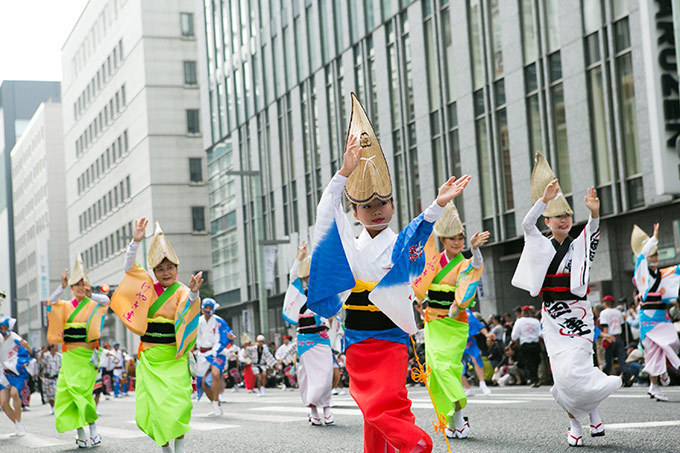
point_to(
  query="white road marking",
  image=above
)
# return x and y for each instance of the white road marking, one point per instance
(117, 433)
(304, 410)
(202, 426)
(658, 424)
(34, 441)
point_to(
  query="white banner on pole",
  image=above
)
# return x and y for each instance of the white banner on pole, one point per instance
(270, 252)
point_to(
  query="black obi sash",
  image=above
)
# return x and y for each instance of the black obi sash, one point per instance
(365, 319)
(558, 286)
(159, 332)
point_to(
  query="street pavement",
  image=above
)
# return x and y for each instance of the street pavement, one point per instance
(512, 419)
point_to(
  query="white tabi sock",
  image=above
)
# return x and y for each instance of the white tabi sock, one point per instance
(179, 445)
(166, 449)
(20, 428)
(327, 411)
(575, 427)
(595, 418)
(457, 421)
(93, 430)
(313, 412)
(482, 385)
(81, 434)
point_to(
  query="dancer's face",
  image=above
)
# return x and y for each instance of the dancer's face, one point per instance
(560, 225)
(374, 215)
(4, 330)
(166, 273)
(454, 245)
(653, 261)
(79, 290)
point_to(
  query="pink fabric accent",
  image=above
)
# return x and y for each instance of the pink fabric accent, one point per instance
(159, 288)
(74, 302)
(661, 344)
(443, 261)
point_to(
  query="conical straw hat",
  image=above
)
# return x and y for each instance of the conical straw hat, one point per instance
(450, 224)
(371, 178)
(160, 249)
(541, 176)
(638, 239)
(245, 338)
(78, 272)
(305, 266)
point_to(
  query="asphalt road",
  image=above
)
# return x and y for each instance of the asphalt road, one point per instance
(512, 419)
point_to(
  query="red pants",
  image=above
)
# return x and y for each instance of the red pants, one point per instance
(377, 381)
(249, 377)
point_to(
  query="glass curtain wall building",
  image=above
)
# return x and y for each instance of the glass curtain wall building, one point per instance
(452, 87)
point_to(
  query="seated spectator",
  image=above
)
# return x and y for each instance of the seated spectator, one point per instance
(635, 361)
(495, 351)
(507, 372)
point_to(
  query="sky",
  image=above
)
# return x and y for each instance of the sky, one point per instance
(32, 33)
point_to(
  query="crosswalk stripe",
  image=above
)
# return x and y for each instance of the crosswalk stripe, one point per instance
(34, 441)
(658, 424)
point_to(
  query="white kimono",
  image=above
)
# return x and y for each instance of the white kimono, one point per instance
(211, 344)
(567, 319)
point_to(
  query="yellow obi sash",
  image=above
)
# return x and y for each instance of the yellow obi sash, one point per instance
(361, 286)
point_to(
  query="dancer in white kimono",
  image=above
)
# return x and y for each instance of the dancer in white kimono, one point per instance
(658, 288)
(214, 335)
(558, 269)
(315, 373)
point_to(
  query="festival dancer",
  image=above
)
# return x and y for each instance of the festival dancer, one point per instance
(447, 288)
(286, 356)
(15, 354)
(315, 375)
(214, 335)
(165, 315)
(372, 275)
(658, 288)
(261, 359)
(77, 323)
(473, 355)
(558, 269)
(50, 365)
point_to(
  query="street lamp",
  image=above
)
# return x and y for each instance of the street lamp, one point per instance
(259, 237)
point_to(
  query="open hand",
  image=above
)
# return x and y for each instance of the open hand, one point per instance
(452, 188)
(352, 156)
(302, 251)
(479, 238)
(64, 279)
(551, 191)
(140, 229)
(196, 281)
(231, 336)
(592, 202)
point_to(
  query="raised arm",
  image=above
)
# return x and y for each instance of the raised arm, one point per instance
(138, 234)
(60, 289)
(475, 241)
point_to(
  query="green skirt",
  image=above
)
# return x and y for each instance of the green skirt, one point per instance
(163, 394)
(73, 403)
(445, 341)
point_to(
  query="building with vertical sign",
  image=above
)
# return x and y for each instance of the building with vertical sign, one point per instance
(132, 137)
(452, 87)
(41, 238)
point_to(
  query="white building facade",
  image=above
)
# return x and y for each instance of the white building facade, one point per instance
(132, 136)
(41, 237)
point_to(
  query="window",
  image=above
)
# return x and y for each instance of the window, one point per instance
(195, 169)
(192, 121)
(190, 73)
(198, 218)
(187, 24)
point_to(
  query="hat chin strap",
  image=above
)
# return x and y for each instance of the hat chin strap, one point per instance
(373, 225)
